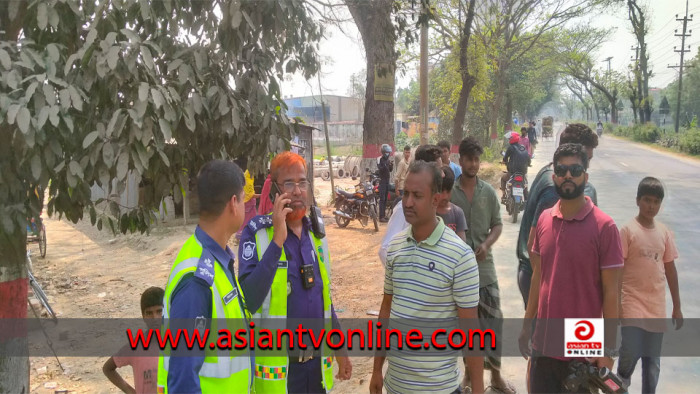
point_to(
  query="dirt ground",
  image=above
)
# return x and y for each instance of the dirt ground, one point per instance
(88, 273)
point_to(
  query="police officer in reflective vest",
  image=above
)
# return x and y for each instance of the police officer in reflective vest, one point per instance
(203, 293)
(285, 274)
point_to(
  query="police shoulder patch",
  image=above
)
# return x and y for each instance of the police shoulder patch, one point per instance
(260, 222)
(205, 267)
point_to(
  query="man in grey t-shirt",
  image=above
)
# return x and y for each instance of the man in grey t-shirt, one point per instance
(451, 214)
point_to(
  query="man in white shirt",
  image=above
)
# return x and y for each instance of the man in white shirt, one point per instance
(397, 222)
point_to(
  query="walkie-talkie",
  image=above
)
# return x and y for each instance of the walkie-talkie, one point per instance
(316, 217)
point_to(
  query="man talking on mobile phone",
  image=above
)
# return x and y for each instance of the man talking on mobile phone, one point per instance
(285, 273)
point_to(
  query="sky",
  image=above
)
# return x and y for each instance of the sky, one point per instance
(343, 54)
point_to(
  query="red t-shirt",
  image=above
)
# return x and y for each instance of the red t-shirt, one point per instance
(572, 252)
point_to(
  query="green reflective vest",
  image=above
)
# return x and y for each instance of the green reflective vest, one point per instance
(270, 375)
(223, 370)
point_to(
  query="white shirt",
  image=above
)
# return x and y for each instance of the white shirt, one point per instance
(397, 223)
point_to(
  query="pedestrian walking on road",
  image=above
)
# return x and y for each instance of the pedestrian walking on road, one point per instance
(577, 261)
(482, 210)
(650, 253)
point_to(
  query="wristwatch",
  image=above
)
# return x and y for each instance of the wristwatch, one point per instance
(611, 353)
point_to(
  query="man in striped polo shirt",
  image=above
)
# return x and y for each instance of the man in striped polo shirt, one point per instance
(431, 274)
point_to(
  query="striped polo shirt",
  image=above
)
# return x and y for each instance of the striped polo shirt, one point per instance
(428, 280)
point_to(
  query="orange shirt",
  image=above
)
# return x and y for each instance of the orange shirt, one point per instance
(646, 251)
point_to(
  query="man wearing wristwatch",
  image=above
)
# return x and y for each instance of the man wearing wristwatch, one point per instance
(577, 262)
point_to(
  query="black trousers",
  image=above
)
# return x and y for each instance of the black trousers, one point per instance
(383, 190)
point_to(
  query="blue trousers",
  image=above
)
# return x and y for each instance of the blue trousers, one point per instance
(306, 377)
(638, 343)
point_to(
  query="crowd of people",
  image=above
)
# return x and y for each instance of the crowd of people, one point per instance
(437, 254)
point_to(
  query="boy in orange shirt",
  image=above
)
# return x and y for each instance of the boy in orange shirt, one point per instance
(649, 252)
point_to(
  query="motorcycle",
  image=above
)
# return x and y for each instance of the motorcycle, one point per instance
(360, 205)
(393, 197)
(516, 195)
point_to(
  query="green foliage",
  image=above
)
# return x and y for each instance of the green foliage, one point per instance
(690, 104)
(408, 99)
(641, 133)
(91, 91)
(690, 141)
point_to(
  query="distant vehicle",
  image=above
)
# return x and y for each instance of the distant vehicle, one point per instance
(547, 124)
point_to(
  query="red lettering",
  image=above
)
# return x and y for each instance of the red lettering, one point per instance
(399, 336)
(482, 334)
(361, 333)
(414, 335)
(450, 339)
(341, 342)
(240, 338)
(316, 342)
(265, 336)
(224, 335)
(163, 341)
(196, 337)
(140, 338)
(289, 334)
(434, 341)
(300, 335)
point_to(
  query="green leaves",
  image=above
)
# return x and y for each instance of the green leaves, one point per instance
(23, 118)
(42, 17)
(89, 139)
(165, 129)
(5, 60)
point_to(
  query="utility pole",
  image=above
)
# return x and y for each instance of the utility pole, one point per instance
(612, 105)
(682, 51)
(424, 80)
(325, 131)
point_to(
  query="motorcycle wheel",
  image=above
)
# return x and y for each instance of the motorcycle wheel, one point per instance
(341, 221)
(373, 214)
(514, 214)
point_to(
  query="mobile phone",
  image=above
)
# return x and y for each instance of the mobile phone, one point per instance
(274, 190)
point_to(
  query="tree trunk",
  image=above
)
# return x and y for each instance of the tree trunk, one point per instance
(496, 107)
(14, 370)
(373, 20)
(508, 115)
(468, 80)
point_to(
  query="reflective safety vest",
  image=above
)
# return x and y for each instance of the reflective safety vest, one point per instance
(223, 370)
(270, 375)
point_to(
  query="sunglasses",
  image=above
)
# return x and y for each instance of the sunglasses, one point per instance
(576, 170)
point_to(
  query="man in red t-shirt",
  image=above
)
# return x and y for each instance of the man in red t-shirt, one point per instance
(577, 262)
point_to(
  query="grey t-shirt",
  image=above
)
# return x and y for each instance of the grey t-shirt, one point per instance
(454, 219)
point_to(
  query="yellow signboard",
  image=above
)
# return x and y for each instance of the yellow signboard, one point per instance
(383, 82)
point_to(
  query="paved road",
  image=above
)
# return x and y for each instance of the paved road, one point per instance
(616, 169)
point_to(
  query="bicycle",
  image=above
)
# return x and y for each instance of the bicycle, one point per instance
(36, 233)
(37, 290)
